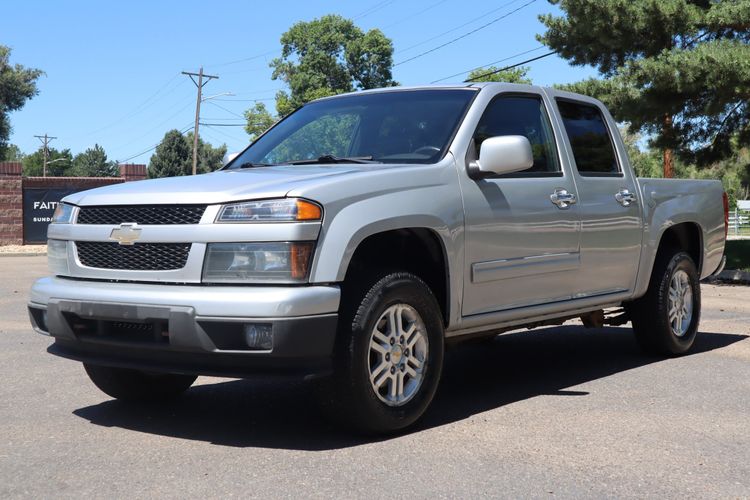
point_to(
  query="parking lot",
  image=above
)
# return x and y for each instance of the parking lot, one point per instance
(552, 412)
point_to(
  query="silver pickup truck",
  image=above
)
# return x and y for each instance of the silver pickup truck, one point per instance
(362, 233)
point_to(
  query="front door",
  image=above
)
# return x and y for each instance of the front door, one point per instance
(522, 229)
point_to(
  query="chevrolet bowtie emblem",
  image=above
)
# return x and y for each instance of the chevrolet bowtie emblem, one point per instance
(126, 234)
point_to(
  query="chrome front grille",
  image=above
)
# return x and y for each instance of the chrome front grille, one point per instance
(141, 214)
(138, 257)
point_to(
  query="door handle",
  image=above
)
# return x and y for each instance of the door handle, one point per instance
(624, 197)
(562, 198)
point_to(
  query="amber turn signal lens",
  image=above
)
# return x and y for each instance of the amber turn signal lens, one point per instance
(300, 259)
(307, 210)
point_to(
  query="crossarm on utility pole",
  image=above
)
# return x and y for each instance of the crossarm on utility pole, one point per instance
(200, 83)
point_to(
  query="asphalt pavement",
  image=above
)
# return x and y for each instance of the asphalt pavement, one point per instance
(562, 411)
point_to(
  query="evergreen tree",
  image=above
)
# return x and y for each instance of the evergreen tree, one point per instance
(59, 163)
(677, 70)
(491, 74)
(174, 156)
(93, 163)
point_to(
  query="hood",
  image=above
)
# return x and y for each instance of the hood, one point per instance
(218, 187)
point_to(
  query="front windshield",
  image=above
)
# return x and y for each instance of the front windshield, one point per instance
(413, 126)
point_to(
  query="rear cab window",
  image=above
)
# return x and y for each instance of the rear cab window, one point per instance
(589, 138)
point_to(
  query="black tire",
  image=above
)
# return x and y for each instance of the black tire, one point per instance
(353, 400)
(137, 386)
(650, 313)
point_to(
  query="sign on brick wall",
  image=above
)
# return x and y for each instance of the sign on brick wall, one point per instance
(38, 206)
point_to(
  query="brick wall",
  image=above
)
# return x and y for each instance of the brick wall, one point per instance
(11, 204)
(11, 193)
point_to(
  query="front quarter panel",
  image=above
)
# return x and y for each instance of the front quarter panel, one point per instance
(407, 196)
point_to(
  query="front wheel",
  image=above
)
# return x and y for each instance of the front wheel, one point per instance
(389, 354)
(665, 320)
(134, 385)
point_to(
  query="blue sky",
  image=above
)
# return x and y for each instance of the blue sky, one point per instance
(113, 69)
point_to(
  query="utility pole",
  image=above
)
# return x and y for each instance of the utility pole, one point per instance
(200, 83)
(45, 140)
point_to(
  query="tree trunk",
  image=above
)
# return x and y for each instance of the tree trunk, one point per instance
(668, 161)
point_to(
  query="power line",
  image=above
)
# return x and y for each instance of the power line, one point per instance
(158, 125)
(225, 109)
(439, 35)
(245, 59)
(182, 132)
(465, 34)
(246, 100)
(412, 16)
(489, 64)
(142, 106)
(372, 9)
(509, 67)
(224, 124)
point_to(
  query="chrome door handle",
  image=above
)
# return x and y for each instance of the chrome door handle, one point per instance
(562, 198)
(624, 197)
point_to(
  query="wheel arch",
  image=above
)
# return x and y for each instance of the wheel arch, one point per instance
(685, 236)
(419, 250)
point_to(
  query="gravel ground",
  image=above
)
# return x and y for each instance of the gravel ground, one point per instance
(561, 412)
(23, 249)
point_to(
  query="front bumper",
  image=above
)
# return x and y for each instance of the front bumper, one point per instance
(187, 329)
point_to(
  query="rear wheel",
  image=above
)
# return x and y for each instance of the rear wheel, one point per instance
(389, 354)
(665, 320)
(134, 385)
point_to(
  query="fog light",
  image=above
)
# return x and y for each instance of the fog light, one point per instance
(259, 336)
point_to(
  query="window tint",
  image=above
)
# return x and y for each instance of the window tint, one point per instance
(331, 133)
(391, 127)
(589, 138)
(521, 115)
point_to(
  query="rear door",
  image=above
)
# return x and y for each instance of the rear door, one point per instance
(521, 247)
(611, 228)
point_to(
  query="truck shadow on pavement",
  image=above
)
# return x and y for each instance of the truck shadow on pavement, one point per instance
(477, 377)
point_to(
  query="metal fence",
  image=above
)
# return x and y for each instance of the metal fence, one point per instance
(739, 223)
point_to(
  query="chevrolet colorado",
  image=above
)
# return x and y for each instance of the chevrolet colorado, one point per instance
(360, 234)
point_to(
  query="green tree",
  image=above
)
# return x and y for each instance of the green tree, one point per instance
(491, 74)
(59, 163)
(258, 120)
(209, 157)
(645, 161)
(174, 156)
(329, 56)
(676, 70)
(93, 163)
(12, 153)
(17, 85)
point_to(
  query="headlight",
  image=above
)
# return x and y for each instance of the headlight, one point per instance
(63, 214)
(283, 262)
(282, 210)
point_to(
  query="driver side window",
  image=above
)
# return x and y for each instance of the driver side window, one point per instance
(526, 116)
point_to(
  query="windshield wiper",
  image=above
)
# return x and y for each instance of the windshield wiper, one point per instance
(335, 159)
(250, 164)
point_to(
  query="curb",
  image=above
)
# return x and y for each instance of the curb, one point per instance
(22, 254)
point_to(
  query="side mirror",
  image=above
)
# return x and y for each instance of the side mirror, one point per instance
(502, 155)
(228, 157)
